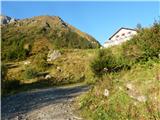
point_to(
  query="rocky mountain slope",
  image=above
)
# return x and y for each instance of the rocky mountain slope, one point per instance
(6, 20)
(42, 33)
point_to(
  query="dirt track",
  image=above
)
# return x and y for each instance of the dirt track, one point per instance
(45, 104)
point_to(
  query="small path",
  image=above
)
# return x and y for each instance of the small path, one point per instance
(45, 104)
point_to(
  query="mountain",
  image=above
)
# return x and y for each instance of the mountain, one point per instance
(42, 33)
(6, 19)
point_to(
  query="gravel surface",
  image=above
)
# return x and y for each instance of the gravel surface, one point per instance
(44, 104)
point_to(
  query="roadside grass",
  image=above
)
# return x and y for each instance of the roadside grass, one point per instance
(130, 73)
(73, 64)
(70, 68)
(119, 104)
(16, 86)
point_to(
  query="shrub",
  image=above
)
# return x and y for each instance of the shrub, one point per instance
(40, 62)
(142, 47)
(106, 61)
(15, 51)
(145, 45)
(71, 39)
(30, 73)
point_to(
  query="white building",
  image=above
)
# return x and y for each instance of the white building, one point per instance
(122, 35)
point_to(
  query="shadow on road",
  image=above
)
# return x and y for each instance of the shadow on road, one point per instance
(28, 101)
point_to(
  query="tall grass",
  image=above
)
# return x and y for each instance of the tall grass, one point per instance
(135, 62)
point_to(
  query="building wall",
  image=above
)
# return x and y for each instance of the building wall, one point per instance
(122, 36)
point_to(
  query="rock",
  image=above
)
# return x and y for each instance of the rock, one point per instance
(130, 86)
(134, 93)
(6, 20)
(26, 62)
(159, 55)
(27, 46)
(59, 69)
(106, 92)
(105, 69)
(120, 88)
(48, 77)
(135, 103)
(16, 118)
(52, 55)
(12, 20)
(141, 98)
(158, 76)
(77, 118)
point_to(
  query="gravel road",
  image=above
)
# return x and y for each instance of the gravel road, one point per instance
(43, 104)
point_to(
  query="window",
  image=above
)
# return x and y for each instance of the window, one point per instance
(129, 32)
(123, 34)
(117, 36)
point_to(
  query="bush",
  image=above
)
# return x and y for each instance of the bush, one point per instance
(15, 51)
(40, 62)
(30, 73)
(106, 61)
(71, 39)
(144, 46)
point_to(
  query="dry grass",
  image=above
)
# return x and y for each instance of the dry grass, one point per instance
(120, 104)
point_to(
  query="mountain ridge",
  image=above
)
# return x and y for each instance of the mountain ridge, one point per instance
(43, 33)
(6, 20)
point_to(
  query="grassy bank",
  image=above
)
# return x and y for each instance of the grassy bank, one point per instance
(71, 67)
(127, 83)
(120, 104)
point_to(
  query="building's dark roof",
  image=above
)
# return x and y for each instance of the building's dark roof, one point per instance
(120, 29)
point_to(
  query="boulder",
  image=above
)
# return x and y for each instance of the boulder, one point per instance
(59, 69)
(52, 55)
(6, 20)
(141, 98)
(12, 20)
(129, 86)
(134, 93)
(26, 62)
(105, 69)
(106, 92)
(48, 77)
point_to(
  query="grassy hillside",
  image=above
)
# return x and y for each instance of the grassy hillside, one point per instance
(38, 34)
(128, 80)
(71, 67)
(26, 45)
(125, 78)
(122, 102)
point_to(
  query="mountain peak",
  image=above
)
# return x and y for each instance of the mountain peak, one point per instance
(6, 20)
(43, 33)
(45, 20)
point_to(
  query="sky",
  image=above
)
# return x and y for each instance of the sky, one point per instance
(99, 19)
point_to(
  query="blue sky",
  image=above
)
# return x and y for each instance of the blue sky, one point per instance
(99, 19)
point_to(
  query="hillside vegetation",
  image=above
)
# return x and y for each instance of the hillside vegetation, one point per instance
(26, 45)
(28, 37)
(125, 79)
(127, 83)
(72, 66)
